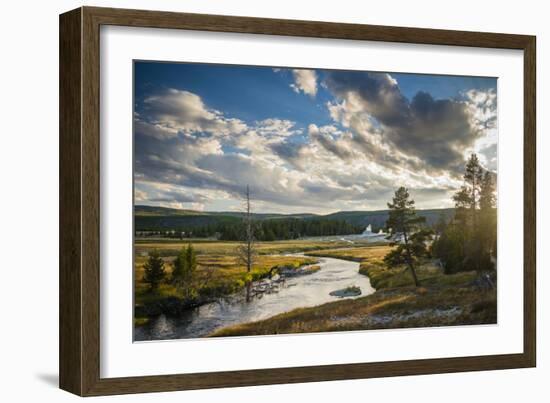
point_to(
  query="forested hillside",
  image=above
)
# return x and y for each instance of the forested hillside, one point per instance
(227, 225)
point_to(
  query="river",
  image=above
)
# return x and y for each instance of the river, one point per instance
(302, 291)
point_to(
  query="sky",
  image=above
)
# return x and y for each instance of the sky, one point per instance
(305, 140)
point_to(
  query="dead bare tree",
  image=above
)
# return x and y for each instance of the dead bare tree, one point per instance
(246, 251)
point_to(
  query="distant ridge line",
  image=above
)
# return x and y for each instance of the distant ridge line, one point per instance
(159, 209)
(148, 218)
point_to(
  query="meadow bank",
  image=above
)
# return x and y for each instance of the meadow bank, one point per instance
(441, 300)
(219, 272)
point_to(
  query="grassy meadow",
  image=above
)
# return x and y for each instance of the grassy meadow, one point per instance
(218, 265)
(442, 300)
(341, 200)
(370, 252)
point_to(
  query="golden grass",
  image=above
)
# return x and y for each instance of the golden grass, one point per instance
(381, 276)
(357, 254)
(398, 308)
(218, 261)
(170, 247)
(229, 265)
(428, 274)
(141, 321)
(442, 300)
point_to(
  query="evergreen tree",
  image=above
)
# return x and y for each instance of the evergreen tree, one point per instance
(154, 270)
(487, 199)
(440, 225)
(472, 182)
(467, 198)
(449, 248)
(184, 272)
(488, 221)
(467, 204)
(406, 225)
(469, 241)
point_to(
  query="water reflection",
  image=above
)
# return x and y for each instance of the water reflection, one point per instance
(305, 291)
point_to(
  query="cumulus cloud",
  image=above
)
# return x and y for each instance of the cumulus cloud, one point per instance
(266, 136)
(154, 193)
(424, 133)
(153, 129)
(374, 93)
(305, 81)
(327, 137)
(175, 110)
(482, 109)
(488, 156)
(189, 155)
(276, 128)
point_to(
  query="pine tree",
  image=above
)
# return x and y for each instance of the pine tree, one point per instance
(467, 201)
(154, 270)
(487, 221)
(467, 198)
(184, 272)
(473, 178)
(441, 224)
(469, 241)
(449, 248)
(487, 197)
(406, 225)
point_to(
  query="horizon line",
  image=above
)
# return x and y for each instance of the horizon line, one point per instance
(271, 212)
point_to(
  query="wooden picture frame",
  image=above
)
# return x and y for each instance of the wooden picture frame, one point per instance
(80, 199)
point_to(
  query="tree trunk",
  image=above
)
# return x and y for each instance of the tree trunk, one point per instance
(409, 260)
(416, 282)
(474, 243)
(249, 244)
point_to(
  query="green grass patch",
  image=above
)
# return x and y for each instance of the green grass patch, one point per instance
(428, 274)
(218, 262)
(141, 321)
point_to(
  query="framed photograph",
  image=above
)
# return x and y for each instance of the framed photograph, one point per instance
(249, 201)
